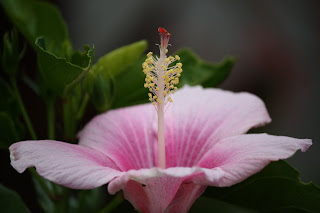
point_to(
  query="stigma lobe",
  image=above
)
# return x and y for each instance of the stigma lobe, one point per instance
(163, 31)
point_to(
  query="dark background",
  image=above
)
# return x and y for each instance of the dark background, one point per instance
(276, 44)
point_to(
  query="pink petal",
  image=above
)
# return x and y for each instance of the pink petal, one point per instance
(199, 118)
(66, 164)
(157, 190)
(125, 135)
(244, 155)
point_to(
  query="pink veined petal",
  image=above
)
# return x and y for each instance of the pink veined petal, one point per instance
(199, 118)
(158, 190)
(66, 164)
(125, 135)
(185, 197)
(244, 155)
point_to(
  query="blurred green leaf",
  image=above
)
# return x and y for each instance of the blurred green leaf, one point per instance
(7, 98)
(198, 72)
(99, 81)
(11, 129)
(10, 201)
(59, 75)
(277, 188)
(88, 200)
(8, 132)
(85, 58)
(209, 205)
(129, 88)
(36, 18)
(12, 53)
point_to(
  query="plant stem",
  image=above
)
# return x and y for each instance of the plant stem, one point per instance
(51, 118)
(113, 204)
(23, 109)
(40, 181)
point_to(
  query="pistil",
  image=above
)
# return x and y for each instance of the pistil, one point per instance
(161, 79)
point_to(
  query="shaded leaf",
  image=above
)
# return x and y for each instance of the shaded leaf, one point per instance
(276, 188)
(128, 87)
(100, 79)
(10, 201)
(209, 205)
(198, 72)
(58, 74)
(39, 18)
(8, 132)
(7, 98)
(12, 53)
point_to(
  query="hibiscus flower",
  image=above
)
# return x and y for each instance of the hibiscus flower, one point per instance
(205, 145)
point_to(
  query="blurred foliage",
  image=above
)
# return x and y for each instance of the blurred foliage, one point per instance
(102, 76)
(10, 201)
(277, 188)
(58, 74)
(35, 18)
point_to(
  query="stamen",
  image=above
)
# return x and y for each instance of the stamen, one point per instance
(161, 78)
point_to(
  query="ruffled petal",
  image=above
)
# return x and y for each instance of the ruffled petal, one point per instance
(199, 118)
(242, 156)
(168, 190)
(66, 164)
(125, 135)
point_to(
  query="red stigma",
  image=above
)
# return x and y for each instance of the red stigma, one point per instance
(163, 31)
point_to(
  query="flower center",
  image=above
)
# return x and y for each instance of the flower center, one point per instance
(161, 78)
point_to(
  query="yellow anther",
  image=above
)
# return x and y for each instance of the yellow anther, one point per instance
(150, 89)
(150, 99)
(171, 86)
(167, 85)
(170, 100)
(176, 81)
(149, 54)
(171, 58)
(155, 97)
(167, 60)
(154, 103)
(177, 57)
(157, 88)
(175, 88)
(179, 65)
(164, 67)
(166, 50)
(150, 95)
(145, 85)
(178, 75)
(165, 93)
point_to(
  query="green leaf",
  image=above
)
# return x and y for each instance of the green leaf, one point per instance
(59, 75)
(209, 205)
(99, 81)
(36, 18)
(128, 86)
(12, 53)
(198, 72)
(8, 132)
(10, 201)
(7, 98)
(277, 188)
